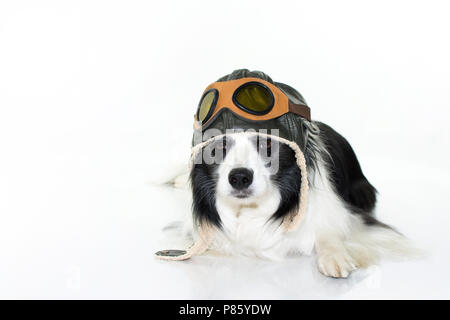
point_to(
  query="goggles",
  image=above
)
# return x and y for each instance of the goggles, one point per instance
(250, 98)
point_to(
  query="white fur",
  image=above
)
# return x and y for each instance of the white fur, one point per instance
(341, 240)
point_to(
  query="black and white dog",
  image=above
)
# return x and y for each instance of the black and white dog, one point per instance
(246, 201)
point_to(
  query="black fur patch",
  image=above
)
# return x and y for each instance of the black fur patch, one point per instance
(203, 184)
(288, 180)
(203, 180)
(346, 175)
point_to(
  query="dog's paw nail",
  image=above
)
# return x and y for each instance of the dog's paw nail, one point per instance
(336, 265)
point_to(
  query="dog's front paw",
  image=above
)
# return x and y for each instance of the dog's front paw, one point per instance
(336, 264)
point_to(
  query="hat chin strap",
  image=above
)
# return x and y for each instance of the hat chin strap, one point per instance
(206, 231)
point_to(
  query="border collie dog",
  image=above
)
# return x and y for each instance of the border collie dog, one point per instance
(246, 201)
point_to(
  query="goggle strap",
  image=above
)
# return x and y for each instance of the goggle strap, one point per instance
(300, 109)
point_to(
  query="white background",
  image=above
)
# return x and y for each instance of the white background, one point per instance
(97, 101)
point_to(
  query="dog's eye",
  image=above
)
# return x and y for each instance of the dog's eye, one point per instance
(267, 144)
(223, 145)
(264, 146)
(220, 147)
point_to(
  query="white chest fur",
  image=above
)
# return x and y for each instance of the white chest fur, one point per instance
(247, 229)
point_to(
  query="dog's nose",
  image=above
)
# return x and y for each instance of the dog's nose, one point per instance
(240, 178)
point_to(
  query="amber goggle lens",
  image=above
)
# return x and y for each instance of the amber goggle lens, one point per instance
(254, 97)
(206, 105)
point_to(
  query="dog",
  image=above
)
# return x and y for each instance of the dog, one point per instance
(246, 200)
